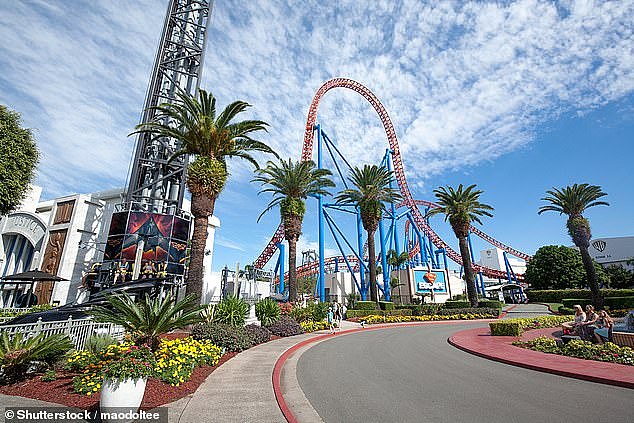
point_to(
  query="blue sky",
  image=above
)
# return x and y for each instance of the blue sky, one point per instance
(516, 97)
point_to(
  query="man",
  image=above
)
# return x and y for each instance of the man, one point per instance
(122, 270)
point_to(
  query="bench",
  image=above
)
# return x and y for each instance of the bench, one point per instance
(623, 339)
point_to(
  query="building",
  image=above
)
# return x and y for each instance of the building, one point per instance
(613, 251)
(63, 237)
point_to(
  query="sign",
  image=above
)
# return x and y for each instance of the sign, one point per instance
(424, 280)
(30, 226)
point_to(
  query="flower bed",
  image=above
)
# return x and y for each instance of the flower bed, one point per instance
(312, 326)
(581, 349)
(515, 327)
(373, 319)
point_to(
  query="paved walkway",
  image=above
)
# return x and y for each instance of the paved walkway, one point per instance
(525, 310)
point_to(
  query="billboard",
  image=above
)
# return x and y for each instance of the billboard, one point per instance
(425, 279)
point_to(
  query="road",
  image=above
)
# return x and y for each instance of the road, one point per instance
(411, 374)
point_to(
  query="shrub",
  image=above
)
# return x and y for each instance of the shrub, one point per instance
(515, 327)
(267, 311)
(470, 310)
(490, 304)
(456, 304)
(362, 313)
(386, 305)
(556, 295)
(232, 311)
(258, 333)
(608, 302)
(286, 326)
(312, 311)
(177, 358)
(312, 326)
(365, 305)
(18, 352)
(285, 308)
(375, 318)
(420, 309)
(49, 376)
(581, 349)
(232, 338)
(566, 311)
(96, 343)
(134, 363)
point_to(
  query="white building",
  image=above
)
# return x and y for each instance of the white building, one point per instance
(63, 236)
(613, 251)
(494, 258)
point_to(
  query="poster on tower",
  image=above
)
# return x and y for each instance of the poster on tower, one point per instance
(425, 279)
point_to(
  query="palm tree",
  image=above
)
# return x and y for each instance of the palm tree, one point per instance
(396, 261)
(372, 190)
(210, 139)
(461, 207)
(573, 201)
(149, 318)
(291, 183)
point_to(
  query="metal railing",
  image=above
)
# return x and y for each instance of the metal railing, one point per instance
(79, 330)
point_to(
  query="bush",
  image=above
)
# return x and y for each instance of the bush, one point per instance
(286, 326)
(177, 358)
(470, 310)
(490, 304)
(581, 349)
(457, 304)
(375, 318)
(556, 295)
(608, 302)
(312, 311)
(232, 338)
(515, 327)
(365, 305)
(96, 343)
(232, 311)
(386, 305)
(258, 333)
(566, 311)
(312, 326)
(362, 313)
(267, 311)
(285, 308)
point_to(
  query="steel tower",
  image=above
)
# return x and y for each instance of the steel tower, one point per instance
(156, 186)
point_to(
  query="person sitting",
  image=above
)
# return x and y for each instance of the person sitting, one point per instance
(148, 270)
(586, 329)
(122, 271)
(573, 327)
(161, 270)
(603, 328)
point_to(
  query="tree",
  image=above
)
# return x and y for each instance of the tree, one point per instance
(396, 261)
(18, 160)
(211, 139)
(619, 276)
(372, 190)
(461, 207)
(573, 201)
(291, 183)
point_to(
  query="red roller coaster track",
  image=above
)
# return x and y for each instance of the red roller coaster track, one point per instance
(399, 174)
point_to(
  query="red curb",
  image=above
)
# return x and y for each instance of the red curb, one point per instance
(499, 348)
(506, 311)
(277, 370)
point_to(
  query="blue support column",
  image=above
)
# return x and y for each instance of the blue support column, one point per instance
(322, 235)
(397, 247)
(364, 288)
(481, 290)
(506, 264)
(386, 272)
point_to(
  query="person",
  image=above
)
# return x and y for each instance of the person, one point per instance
(603, 325)
(331, 318)
(161, 270)
(122, 271)
(336, 310)
(586, 329)
(580, 317)
(148, 269)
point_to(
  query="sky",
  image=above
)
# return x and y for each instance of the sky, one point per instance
(514, 96)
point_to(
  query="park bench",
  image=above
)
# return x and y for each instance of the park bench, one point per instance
(623, 339)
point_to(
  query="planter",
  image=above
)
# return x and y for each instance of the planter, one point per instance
(121, 396)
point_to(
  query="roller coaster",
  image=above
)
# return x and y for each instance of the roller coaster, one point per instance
(426, 244)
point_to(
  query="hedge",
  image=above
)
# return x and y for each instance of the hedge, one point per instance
(556, 295)
(515, 327)
(362, 313)
(386, 305)
(610, 302)
(457, 304)
(420, 309)
(374, 318)
(365, 305)
(469, 310)
(452, 304)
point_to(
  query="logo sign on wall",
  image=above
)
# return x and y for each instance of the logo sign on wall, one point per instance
(599, 245)
(424, 280)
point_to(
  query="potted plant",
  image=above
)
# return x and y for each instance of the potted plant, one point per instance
(125, 378)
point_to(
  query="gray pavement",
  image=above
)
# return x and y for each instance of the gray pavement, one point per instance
(525, 310)
(411, 374)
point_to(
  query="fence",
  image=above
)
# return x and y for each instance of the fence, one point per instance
(79, 330)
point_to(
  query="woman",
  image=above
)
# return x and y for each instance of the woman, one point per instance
(331, 318)
(604, 323)
(573, 327)
(586, 329)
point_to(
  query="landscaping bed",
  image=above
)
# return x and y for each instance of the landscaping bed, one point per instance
(586, 350)
(375, 318)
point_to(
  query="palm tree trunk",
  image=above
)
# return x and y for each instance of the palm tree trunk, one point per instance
(292, 269)
(202, 207)
(591, 274)
(372, 256)
(472, 293)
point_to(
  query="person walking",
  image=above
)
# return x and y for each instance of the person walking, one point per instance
(331, 319)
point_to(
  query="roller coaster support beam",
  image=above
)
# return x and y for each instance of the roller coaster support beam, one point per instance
(482, 290)
(280, 265)
(509, 269)
(423, 255)
(364, 288)
(397, 248)
(322, 240)
(331, 223)
(386, 271)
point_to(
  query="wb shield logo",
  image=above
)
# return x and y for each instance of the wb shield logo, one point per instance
(599, 245)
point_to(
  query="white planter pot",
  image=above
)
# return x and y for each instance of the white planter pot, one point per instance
(121, 396)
